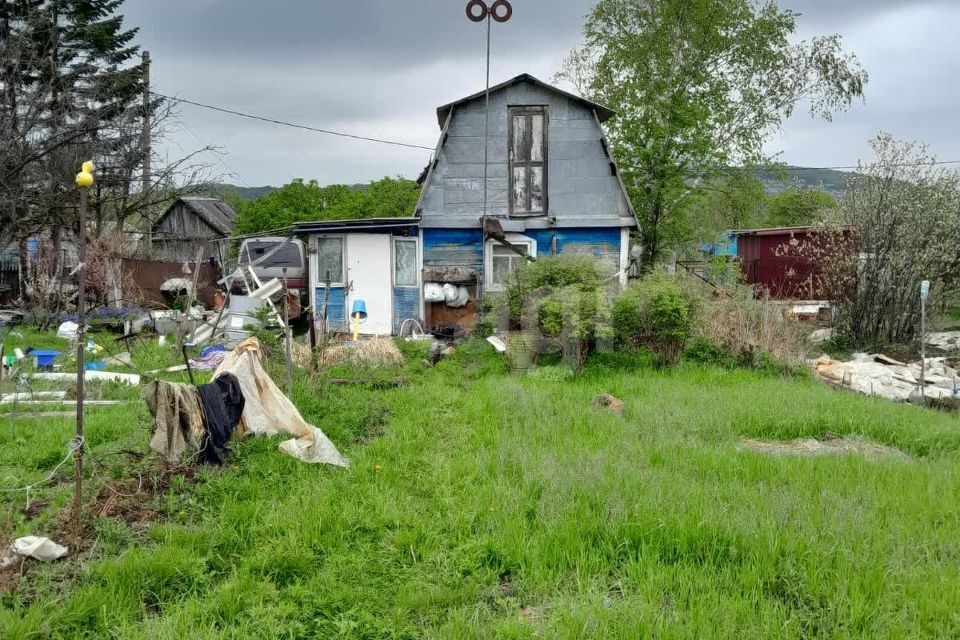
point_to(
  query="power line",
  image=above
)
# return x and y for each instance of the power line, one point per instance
(218, 156)
(291, 124)
(875, 166)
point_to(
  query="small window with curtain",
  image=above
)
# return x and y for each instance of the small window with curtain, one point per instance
(330, 261)
(405, 262)
(528, 160)
(501, 262)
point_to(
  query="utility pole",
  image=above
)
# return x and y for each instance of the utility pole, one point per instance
(478, 11)
(145, 145)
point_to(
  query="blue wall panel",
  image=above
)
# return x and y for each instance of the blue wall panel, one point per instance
(464, 247)
(452, 247)
(336, 308)
(406, 304)
(602, 243)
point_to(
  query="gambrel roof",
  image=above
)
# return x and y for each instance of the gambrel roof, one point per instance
(603, 113)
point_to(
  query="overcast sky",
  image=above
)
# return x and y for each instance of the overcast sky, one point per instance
(380, 68)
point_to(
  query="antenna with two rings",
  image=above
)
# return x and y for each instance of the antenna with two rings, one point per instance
(478, 11)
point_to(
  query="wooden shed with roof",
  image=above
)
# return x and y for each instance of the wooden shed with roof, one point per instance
(191, 223)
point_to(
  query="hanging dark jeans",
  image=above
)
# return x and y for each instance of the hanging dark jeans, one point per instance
(222, 402)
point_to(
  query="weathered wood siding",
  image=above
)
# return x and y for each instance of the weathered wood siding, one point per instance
(464, 247)
(181, 233)
(336, 308)
(582, 187)
(453, 248)
(406, 304)
(600, 243)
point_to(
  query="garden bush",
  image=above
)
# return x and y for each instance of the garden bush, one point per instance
(561, 297)
(657, 313)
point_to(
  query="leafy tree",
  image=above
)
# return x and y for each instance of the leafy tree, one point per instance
(699, 86)
(301, 201)
(736, 201)
(385, 198)
(798, 207)
(896, 225)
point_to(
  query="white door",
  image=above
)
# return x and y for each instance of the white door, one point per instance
(369, 273)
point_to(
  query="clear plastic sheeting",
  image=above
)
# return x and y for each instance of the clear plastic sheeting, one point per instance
(267, 411)
(36, 547)
(878, 375)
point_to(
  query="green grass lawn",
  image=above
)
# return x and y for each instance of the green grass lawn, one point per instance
(481, 505)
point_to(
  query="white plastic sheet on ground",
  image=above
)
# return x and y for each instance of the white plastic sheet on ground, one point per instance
(881, 376)
(68, 331)
(36, 547)
(267, 411)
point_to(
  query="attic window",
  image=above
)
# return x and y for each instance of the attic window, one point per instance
(528, 160)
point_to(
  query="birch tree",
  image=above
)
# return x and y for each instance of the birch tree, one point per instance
(699, 87)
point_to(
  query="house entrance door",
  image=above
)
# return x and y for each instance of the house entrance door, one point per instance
(370, 274)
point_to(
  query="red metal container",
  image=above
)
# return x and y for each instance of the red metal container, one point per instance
(773, 260)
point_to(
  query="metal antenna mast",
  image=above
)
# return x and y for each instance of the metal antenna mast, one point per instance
(477, 11)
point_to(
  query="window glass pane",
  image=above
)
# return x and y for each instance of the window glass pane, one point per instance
(330, 260)
(502, 268)
(521, 138)
(536, 130)
(536, 188)
(521, 197)
(288, 256)
(504, 261)
(405, 266)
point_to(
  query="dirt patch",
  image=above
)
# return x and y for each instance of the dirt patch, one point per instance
(827, 445)
(611, 403)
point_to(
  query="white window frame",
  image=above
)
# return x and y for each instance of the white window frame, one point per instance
(321, 281)
(393, 266)
(513, 238)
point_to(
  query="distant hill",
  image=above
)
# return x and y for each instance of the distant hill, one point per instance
(219, 190)
(831, 181)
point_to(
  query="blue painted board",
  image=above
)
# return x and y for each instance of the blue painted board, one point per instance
(336, 308)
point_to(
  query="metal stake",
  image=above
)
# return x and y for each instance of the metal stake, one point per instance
(81, 348)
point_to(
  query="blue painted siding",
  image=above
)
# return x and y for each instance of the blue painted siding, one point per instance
(602, 243)
(336, 308)
(464, 247)
(406, 304)
(453, 248)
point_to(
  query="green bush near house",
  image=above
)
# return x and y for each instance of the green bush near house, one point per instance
(562, 298)
(656, 313)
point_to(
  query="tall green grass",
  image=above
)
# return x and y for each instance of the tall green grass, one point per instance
(480, 505)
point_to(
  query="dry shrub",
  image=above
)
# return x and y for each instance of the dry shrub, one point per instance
(749, 327)
(375, 352)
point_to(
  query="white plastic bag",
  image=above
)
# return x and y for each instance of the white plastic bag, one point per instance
(68, 331)
(449, 293)
(433, 292)
(36, 547)
(455, 296)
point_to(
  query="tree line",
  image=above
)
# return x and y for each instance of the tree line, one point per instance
(71, 89)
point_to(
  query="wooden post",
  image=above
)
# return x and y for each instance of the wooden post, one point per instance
(323, 314)
(145, 143)
(81, 348)
(287, 334)
(191, 296)
(313, 341)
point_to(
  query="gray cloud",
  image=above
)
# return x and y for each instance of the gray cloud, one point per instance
(380, 68)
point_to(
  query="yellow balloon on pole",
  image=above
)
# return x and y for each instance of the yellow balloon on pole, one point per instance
(85, 177)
